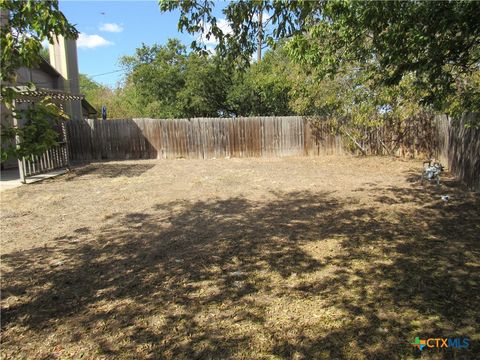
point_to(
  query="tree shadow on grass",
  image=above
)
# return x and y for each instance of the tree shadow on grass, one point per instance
(305, 275)
(106, 170)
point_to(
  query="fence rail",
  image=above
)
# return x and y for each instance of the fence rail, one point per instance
(54, 158)
(205, 138)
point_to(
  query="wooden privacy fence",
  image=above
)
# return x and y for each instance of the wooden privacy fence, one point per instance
(458, 148)
(204, 138)
(200, 138)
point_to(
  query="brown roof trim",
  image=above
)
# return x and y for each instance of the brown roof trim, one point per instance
(44, 65)
(91, 110)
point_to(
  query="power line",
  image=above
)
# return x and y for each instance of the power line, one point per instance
(110, 72)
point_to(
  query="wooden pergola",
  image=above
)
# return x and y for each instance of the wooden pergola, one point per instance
(26, 94)
(55, 158)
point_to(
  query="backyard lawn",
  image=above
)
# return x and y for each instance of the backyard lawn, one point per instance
(291, 258)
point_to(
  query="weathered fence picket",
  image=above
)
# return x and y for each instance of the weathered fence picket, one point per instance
(458, 147)
(211, 138)
(206, 138)
(55, 158)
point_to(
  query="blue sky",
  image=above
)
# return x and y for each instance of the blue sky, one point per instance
(110, 29)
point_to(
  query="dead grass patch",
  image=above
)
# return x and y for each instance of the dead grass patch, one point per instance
(293, 258)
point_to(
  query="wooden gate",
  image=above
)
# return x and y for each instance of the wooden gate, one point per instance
(55, 158)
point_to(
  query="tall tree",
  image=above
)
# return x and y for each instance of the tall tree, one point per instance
(172, 83)
(156, 74)
(438, 42)
(264, 88)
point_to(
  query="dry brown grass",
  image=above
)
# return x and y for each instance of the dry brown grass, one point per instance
(294, 258)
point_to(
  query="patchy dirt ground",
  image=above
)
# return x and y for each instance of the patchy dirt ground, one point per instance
(293, 258)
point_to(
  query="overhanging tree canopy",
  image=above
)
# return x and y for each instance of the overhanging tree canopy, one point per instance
(439, 42)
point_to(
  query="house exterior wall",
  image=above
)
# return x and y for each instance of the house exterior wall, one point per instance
(38, 77)
(63, 57)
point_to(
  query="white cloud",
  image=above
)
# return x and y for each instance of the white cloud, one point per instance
(111, 27)
(86, 41)
(265, 17)
(222, 24)
(226, 29)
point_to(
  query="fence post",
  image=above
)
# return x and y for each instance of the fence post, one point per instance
(21, 161)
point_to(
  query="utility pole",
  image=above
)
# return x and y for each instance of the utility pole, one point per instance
(260, 34)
